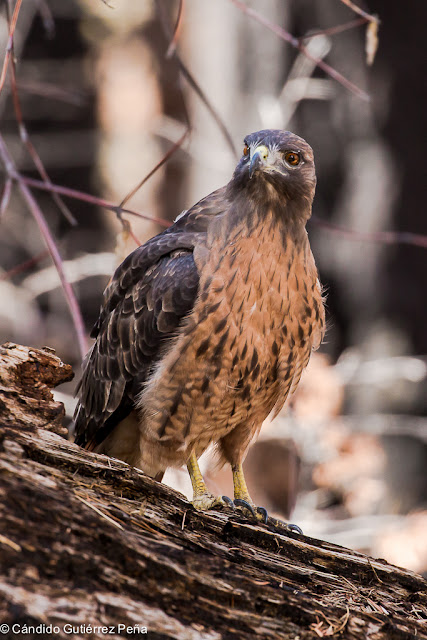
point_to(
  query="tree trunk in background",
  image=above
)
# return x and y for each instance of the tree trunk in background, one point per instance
(88, 540)
(129, 104)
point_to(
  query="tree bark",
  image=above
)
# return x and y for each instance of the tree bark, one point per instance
(88, 542)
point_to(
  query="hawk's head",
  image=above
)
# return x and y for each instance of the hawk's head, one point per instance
(276, 164)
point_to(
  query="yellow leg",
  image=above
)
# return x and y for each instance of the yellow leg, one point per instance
(241, 493)
(202, 498)
(240, 489)
(199, 487)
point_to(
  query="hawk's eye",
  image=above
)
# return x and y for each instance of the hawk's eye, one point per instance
(246, 150)
(292, 158)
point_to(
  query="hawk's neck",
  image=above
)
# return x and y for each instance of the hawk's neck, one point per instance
(281, 219)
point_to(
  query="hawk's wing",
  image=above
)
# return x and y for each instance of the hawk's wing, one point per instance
(150, 293)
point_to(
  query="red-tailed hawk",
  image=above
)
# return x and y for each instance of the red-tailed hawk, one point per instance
(206, 328)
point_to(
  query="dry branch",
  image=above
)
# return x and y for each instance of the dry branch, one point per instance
(297, 43)
(9, 47)
(188, 76)
(85, 539)
(37, 213)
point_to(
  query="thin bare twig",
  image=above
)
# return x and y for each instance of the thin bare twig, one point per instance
(24, 266)
(172, 46)
(165, 158)
(5, 196)
(127, 228)
(371, 41)
(9, 45)
(297, 44)
(195, 86)
(50, 243)
(339, 28)
(27, 142)
(381, 237)
(85, 197)
(354, 7)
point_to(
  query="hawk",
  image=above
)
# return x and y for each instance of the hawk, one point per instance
(206, 328)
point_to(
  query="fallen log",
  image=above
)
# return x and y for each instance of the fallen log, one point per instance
(90, 547)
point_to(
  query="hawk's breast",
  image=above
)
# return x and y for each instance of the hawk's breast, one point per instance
(256, 319)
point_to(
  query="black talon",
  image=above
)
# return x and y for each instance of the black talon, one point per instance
(228, 501)
(264, 513)
(295, 528)
(243, 503)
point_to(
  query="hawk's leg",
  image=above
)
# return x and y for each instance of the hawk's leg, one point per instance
(202, 498)
(243, 499)
(240, 489)
(241, 494)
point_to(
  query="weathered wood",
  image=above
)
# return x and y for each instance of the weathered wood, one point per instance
(26, 379)
(87, 540)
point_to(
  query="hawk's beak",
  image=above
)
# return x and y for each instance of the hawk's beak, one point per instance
(258, 159)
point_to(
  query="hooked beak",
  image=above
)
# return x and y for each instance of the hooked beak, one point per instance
(258, 159)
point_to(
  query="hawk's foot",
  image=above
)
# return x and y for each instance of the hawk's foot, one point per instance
(242, 498)
(259, 513)
(280, 524)
(205, 501)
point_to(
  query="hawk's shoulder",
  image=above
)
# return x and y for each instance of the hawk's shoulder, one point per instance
(185, 234)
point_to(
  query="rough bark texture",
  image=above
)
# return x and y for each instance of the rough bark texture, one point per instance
(26, 378)
(87, 540)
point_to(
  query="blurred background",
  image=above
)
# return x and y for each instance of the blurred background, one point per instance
(106, 90)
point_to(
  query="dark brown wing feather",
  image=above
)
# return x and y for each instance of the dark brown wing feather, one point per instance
(150, 293)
